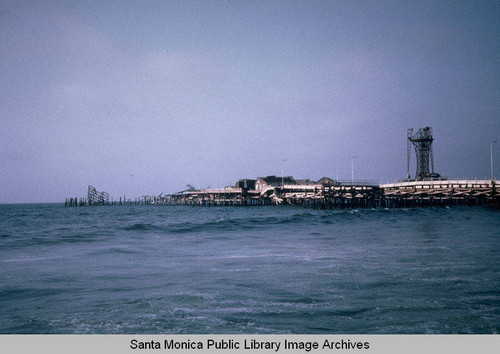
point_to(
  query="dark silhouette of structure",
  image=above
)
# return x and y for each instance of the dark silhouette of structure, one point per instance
(422, 142)
(97, 198)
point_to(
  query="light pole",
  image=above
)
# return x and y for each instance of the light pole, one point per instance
(491, 157)
(336, 174)
(352, 169)
(282, 174)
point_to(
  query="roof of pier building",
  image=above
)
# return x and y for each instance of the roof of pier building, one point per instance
(246, 183)
(275, 180)
(327, 181)
(305, 181)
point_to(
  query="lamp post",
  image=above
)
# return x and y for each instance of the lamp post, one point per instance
(491, 157)
(352, 169)
(282, 174)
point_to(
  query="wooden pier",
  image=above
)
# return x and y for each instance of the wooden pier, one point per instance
(427, 189)
(402, 194)
(408, 194)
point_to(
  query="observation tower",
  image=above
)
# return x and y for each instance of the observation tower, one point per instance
(422, 142)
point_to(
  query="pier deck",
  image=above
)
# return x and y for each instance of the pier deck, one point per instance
(318, 196)
(442, 192)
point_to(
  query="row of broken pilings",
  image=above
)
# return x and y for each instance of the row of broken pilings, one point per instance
(78, 202)
(314, 203)
(73, 202)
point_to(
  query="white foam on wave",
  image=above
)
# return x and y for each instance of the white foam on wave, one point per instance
(30, 259)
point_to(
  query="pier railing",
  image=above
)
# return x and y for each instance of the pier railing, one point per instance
(359, 182)
(457, 183)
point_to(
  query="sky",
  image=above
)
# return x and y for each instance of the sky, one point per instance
(143, 97)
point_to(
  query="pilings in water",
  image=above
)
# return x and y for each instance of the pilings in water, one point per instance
(71, 202)
(409, 194)
(102, 198)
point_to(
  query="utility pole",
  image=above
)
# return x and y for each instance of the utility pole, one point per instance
(491, 157)
(352, 169)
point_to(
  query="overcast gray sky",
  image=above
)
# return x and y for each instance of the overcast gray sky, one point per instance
(143, 97)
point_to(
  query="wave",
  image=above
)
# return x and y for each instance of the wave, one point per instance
(221, 224)
(28, 293)
(141, 227)
(237, 222)
(114, 250)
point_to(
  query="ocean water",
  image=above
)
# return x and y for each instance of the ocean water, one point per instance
(232, 270)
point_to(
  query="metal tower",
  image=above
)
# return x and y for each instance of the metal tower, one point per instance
(422, 142)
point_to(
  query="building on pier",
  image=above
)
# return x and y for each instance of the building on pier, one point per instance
(272, 181)
(327, 181)
(245, 183)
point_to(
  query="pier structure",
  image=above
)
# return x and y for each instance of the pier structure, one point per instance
(229, 196)
(102, 198)
(353, 195)
(361, 194)
(426, 189)
(93, 198)
(97, 198)
(317, 196)
(441, 193)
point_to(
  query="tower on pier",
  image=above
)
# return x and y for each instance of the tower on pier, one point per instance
(422, 142)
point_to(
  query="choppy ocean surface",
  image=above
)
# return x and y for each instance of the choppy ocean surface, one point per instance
(174, 269)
